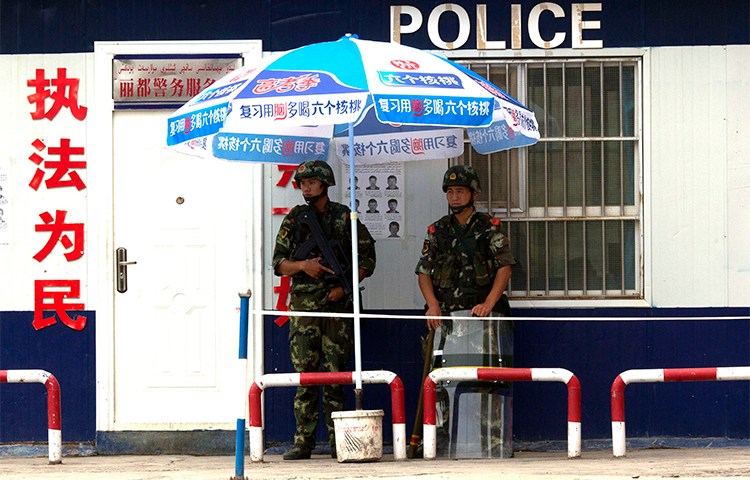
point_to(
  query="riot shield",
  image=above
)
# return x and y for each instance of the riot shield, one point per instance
(474, 419)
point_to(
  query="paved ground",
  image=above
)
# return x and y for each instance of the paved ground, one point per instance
(687, 463)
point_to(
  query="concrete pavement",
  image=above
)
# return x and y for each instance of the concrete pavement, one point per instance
(643, 464)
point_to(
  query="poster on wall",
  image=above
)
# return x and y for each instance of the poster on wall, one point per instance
(379, 198)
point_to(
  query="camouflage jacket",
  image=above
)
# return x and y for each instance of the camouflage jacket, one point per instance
(462, 260)
(336, 225)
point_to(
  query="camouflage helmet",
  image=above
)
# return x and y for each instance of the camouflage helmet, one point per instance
(315, 169)
(461, 176)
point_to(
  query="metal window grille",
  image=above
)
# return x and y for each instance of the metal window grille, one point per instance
(571, 203)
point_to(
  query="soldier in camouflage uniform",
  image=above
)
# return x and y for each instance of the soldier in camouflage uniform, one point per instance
(318, 343)
(464, 270)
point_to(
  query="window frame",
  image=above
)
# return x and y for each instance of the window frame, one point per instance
(641, 296)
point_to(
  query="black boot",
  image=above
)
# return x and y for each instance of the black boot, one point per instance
(298, 452)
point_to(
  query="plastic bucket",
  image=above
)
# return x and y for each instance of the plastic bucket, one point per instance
(359, 435)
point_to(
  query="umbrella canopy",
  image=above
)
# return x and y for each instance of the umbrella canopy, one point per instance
(406, 104)
(284, 108)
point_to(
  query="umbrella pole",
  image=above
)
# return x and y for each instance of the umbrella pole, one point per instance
(355, 276)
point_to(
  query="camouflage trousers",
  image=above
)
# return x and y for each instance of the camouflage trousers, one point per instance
(318, 344)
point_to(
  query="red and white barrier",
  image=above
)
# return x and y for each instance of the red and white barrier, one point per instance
(660, 375)
(54, 433)
(326, 378)
(508, 375)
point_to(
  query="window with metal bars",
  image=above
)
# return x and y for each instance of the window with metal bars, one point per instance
(570, 204)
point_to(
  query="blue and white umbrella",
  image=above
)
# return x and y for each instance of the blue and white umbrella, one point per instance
(283, 109)
(392, 98)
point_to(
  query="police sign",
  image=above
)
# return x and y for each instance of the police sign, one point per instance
(449, 25)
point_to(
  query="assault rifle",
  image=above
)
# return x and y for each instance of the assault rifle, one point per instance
(325, 247)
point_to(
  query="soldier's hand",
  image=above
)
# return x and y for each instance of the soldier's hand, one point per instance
(314, 268)
(433, 323)
(481, 310)
(336, 294)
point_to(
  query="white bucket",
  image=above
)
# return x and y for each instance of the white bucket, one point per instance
(359, 435)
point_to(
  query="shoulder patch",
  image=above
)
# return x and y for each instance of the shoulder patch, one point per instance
(283, 233)
(495, 221)
(425, 247)
(431, 229)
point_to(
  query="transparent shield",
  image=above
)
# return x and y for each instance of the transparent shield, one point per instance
(474, 419)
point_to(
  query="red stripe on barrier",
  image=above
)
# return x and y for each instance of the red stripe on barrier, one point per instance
(428, 397)
(54, 419)
(325, 378)
(397, 401)
(689, 374)
(574, 399)
(507, 374)
(256, 419)
(53, 403)
(617, 400)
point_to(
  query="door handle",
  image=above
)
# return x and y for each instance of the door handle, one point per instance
(121, 269)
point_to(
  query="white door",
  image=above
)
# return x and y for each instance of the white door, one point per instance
(186, 223)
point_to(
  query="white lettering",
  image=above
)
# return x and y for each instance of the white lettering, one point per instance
(578, 25)
(536, 37)
(482, 43)
(397, 28)
(464, 26)
(516, 27)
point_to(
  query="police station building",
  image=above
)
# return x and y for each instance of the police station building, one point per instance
(122, 261)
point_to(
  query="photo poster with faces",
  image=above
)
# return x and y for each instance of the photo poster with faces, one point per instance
(379, 198)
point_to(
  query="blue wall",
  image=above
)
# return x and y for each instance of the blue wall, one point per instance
(595, 351)
(67, 354)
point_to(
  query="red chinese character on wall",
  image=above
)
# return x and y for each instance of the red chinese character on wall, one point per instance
(287, 173)
(144, 87)
(282, 303)
(50, 295)
(61, 167)
(160, 86)
(64, 94)
(57, 226)
(126, 89)
(176, 86)
(193, 86)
